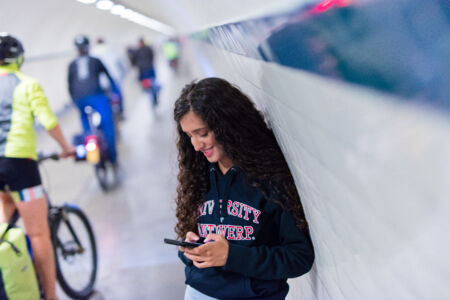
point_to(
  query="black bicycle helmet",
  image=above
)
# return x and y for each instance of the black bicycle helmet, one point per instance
(11, 50)
(81, 42)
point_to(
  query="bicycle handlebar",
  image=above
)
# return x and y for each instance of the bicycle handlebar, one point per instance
(52, 156)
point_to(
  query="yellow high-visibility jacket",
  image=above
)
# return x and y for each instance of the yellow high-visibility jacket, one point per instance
(21, 100)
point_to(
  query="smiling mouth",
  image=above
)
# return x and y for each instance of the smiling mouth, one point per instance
(208, 152)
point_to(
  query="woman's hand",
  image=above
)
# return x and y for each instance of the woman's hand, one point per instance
(190, 237)
(213, 253)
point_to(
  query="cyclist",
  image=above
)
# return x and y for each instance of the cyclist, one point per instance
(142, 58)
(22, 99)
(116, 67)
(85, 89)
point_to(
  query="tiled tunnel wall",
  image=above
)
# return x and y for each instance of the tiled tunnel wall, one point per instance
(372, 167)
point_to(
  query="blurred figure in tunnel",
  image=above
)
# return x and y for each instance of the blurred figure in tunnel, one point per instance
(236, 192)
(21, 100)
(143, 58)
(115, 64)
(85, 89)
(171, 50)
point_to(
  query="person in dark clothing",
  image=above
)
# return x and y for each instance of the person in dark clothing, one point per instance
(235, 190)
(85, 90)
(142, 58)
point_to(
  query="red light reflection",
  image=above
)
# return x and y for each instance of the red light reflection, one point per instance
(327, 4)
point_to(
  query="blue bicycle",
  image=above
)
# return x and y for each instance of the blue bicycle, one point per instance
(93, 148)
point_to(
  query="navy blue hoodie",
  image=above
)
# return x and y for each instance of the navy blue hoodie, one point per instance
(265, 246)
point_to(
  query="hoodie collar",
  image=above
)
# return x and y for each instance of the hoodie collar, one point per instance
(229, 177)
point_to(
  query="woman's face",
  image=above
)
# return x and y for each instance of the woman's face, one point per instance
(202, 138)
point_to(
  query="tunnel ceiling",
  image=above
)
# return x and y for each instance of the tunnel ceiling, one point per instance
(186, 16)
(50, 25)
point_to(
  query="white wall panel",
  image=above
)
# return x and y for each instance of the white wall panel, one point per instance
(372, 172)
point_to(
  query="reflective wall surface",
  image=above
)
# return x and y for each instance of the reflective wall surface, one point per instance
(400, 47)
(357, 94)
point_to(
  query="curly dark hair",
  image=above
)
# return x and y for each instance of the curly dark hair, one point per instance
(246, 139)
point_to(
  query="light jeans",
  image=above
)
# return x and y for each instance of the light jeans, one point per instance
(193, 294)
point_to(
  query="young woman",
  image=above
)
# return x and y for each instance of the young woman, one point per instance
(235, 191)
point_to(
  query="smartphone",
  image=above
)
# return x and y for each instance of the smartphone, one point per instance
(182, 243)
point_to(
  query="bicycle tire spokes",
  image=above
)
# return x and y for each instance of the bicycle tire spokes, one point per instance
(75, 252)
(72, 232)
(67, 249)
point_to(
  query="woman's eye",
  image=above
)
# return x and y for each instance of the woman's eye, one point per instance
(204, 134)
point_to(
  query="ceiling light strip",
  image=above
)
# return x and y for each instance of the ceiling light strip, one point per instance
(131, 15)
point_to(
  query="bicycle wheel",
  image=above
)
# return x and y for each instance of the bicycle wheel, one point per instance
(75, 252)
(102, 174)
(106, 173)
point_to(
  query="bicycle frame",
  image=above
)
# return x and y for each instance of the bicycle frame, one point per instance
(66, 222)
(58, 214)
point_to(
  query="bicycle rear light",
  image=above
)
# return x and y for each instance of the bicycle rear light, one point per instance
(92, 150)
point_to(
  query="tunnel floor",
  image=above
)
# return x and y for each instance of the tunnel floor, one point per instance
(130, 221)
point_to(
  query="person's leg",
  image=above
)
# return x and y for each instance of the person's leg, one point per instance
(155, 87)
(116, 90)
(25, 187)
(154, 95)
(33, 210)
(7, 207)
(81, 104)
(193, 294)
(121, 105)
(103, 107)
(110, 137)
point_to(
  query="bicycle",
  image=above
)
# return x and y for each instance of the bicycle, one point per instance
(73, 241)
(93, 148)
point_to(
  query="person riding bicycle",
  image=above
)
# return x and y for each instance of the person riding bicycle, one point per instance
(115, 64)
(21, 100)
(85, 89)
(142, 57)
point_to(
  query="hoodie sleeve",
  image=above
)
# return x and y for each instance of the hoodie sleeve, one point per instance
(292, 258)
(184, 259)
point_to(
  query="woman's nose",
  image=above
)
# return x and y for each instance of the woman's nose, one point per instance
(196, 143)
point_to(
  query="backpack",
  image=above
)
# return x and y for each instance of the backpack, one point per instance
(17, 276)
